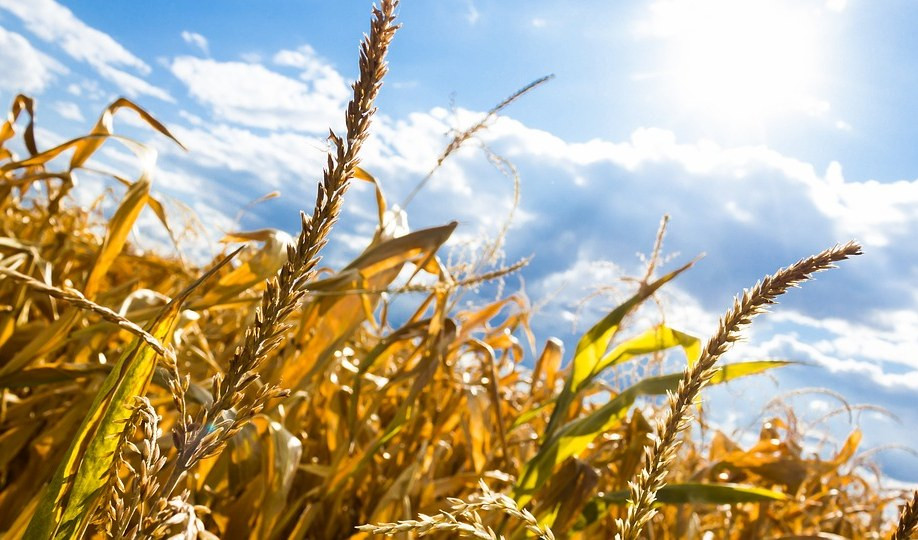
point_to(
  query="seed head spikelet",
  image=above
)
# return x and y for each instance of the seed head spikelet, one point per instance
(663, 450)
(463, 519)
(908, 520)
(77, 299)
(284, 291)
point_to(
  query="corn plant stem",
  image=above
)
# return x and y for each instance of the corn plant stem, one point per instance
(462, 137)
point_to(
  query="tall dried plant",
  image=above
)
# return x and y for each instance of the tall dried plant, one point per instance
(908, 520)
(198, 438)
(677, 419)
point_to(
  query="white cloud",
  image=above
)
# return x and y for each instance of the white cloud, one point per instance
(195, 39)
(282, 160)
(875, 212)
(836, 5)
(741, 215)
(192, 119)
(471, 14)
(321, 75)
(891, 337)
(252, 95)
(785, 345)
(88, 89)
(56, 24)
(25, 68)
(132, 85)
(68, 110)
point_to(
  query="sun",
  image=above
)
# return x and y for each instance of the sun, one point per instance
(741, 60)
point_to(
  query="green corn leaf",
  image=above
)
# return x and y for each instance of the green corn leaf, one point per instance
(700, 493)
(574, 436)
(658, 339)
(654, 340)
(70, 498)
(590, 356)
(688, 493)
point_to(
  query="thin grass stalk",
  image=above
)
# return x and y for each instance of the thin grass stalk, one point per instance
(677, 419)
(908, 520)
(196, 440)
(75, 298)
(657, 249)
(462, 137)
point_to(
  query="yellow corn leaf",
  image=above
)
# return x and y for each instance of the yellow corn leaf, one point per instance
(258, 264)
(408, 407)
(69, 499)
(119, 226)
(406, 333)
(157, 207)
(103, 129)
(343, 302)
(362, 174)
(282, 452)
(390, 505)
(8, 319)
(548, 364)
(849, 449)
(43, 157)
(20, 103)
(566, 495)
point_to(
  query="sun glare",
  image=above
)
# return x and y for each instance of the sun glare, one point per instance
(741, 60)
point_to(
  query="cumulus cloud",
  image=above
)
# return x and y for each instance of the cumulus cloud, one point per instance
(875, 212)
(253, 95)
(275, 160)
(881, 350)
(25, 68)
(132, 85)
(54, 23)
(195, 39)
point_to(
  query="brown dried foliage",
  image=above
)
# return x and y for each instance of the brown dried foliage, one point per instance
(387, 420)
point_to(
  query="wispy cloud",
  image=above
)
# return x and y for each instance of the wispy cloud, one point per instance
(68, 110)
(275, 160)
(195, 39)
(253, 95)
(471, 13)
(25, 68)
(56, 24)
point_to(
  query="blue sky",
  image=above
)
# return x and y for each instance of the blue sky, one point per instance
(767, 130)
